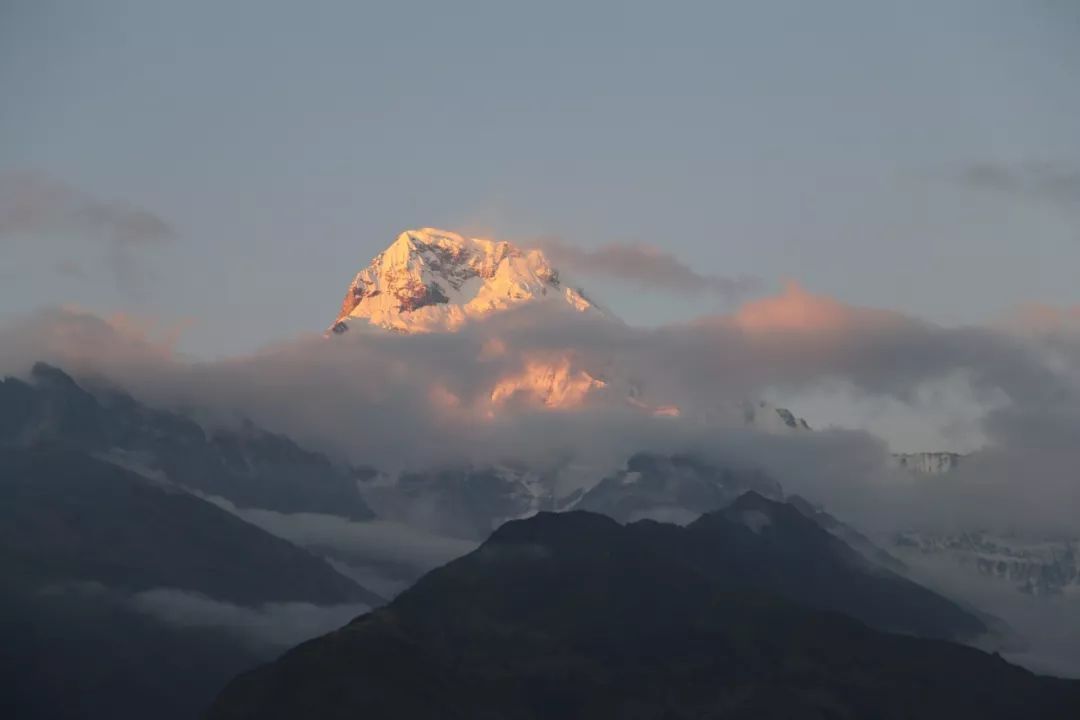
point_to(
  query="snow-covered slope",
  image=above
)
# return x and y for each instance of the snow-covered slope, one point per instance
(769, 418)
(1033, 565)
(1036, 566)
(433, 280)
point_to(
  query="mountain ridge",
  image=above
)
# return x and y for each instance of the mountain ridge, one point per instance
(569, 615)
(247, 465)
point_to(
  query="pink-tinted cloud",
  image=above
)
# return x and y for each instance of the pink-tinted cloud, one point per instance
(1045, 319)
(410, 401)
(797, 311)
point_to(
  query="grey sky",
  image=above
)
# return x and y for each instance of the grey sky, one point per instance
(912, 155)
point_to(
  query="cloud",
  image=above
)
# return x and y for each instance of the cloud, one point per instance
(69, 268)
(371, 542)
(1041, 181)
(367, 398)
(88, 344)
(1044, 321)
(797, 311)
(648, 266)
(279, 625)
(1043, 634)
(268, 628)
(43, 210)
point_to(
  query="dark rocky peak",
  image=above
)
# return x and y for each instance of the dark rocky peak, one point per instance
(45, 375)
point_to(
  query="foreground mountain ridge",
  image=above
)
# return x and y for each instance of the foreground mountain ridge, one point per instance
(571, 615)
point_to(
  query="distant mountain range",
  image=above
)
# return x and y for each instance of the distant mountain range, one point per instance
(1034, 564)
(1044, 566)
(246, 465)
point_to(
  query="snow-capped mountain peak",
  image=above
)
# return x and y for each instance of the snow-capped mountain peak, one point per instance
(433, 280)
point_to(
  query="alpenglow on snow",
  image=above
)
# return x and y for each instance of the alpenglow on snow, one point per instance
(433, 280)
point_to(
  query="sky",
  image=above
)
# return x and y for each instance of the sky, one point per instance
(225, 168)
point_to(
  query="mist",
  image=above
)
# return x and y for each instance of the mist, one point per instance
(268, 627)
(368, 398)
(84, 234)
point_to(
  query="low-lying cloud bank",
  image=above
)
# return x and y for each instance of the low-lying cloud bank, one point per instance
(381, 555)
(1043, 633)
(399, 402)
(267, 628)
(277, 625)
(411, 402)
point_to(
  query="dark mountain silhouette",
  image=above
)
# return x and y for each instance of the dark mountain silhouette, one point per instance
(672, 487)
(79, 537)
(575, 616)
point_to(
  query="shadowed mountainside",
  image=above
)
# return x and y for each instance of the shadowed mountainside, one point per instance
(80, 538)
(248, 466)
(575, 616)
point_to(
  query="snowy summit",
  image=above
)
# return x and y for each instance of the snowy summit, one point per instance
(432, 280)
